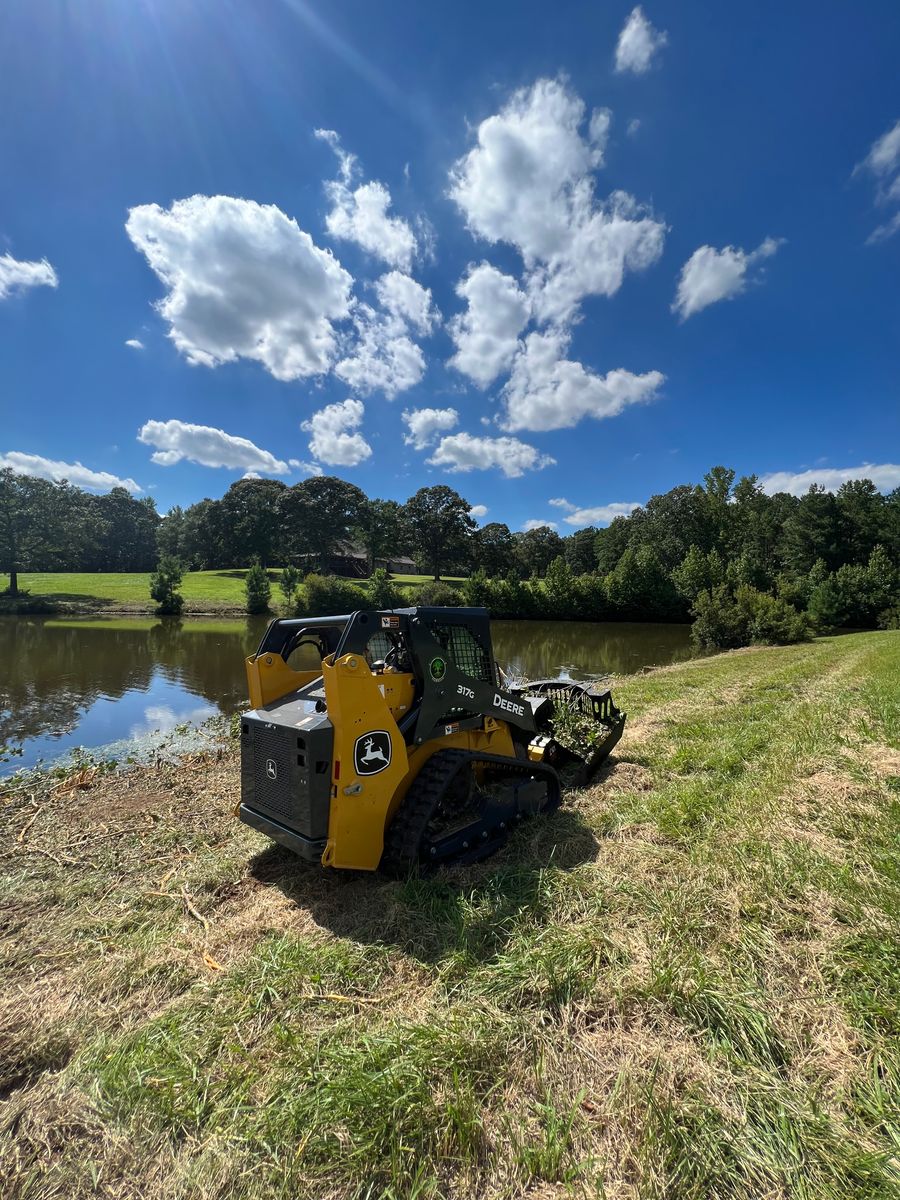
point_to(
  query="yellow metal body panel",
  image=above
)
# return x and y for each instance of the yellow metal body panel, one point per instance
(269, 678)
(360, 702)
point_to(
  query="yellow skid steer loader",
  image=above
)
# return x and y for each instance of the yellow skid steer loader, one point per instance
(404, 748)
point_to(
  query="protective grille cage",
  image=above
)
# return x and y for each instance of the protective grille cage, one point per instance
(467, 652)
(593, 704)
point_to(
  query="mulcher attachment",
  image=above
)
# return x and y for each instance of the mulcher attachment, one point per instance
(461, 807)
(578, 727)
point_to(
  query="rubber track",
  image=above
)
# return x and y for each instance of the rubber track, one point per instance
(404, 834)
(403, 840)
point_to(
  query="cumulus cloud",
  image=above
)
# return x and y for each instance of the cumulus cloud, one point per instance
(18, 276)
(486, 334)
(528, 182)
(135, 344)
(462, 452)
(548, 391)
(601, 514)
(885, 476)
(536, 523)
(425, 424)
(331, 441)
(384, 357)
(177, 441)
(478, 511)
(638, 43)
(710, 275)
(883, 162)
(244, 281)
(360, 214)
(76, 473)
(406, 300)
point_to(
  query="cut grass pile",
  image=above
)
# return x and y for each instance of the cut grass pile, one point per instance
(684, 984)
(203, 591)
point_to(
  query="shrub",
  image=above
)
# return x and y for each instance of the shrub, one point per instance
(164, 584)
(718, 622)
(771, 620)
(439, 595)
(478, 590)
(258, 589)
(724, 619)
(289, 582)
(326, 595)
(383, 592)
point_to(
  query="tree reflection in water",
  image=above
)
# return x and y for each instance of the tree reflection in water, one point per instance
(69, 682)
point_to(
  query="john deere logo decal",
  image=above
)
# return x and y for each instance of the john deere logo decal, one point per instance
(372, 752)
(438, 669)
(271, 768)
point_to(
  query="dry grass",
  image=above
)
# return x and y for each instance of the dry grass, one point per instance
(684, 984)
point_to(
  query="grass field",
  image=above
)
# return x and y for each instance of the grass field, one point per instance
(203, 591)
(684, 985)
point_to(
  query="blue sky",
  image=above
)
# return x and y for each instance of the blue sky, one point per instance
(589, 251)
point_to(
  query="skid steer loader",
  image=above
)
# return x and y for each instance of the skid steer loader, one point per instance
(404, 747)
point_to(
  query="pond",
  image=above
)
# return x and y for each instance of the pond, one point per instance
(121, 682)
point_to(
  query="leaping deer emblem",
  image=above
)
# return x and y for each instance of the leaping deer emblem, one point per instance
(372, 755)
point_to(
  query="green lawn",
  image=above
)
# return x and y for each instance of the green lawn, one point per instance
(201, 589)
(684, 985)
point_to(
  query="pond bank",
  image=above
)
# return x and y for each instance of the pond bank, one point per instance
(687, 979)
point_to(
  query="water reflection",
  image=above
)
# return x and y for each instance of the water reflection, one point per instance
(580, 650)
(77, 682)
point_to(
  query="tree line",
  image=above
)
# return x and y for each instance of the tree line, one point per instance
(697, 550)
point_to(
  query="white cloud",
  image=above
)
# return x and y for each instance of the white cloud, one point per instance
(633, 126)
(478, 511)
(176, 441)
(529, 182)
(135, 344)
(425, 424)
(547, 391)
(384, 357)
(331, 441)
(244, 281)
(884, 155)
(885, 476)
(18, 276)
(307, 468)
(882, 232)
(76, 472)
(602, 514)
(360, 214)
(883, 161)
(638, 42)
(404, 298)
(535, 523)
(462, 452)
(710, 275)
(486, 335)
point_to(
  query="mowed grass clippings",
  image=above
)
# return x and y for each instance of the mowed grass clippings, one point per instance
(686, 983)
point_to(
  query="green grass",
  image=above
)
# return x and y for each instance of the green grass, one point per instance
(202, 590)
(682, 986)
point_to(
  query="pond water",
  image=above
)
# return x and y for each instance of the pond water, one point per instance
(70, 682)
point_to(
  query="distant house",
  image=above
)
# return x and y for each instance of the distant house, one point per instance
(353, 562)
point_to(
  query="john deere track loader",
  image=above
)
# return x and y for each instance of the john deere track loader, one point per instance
(404, 747)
